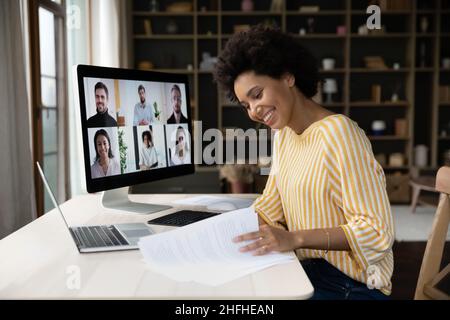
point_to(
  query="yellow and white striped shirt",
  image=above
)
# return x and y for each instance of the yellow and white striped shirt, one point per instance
(328, 177)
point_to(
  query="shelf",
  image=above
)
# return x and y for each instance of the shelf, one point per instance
(165, 37)
(365, 104)
(388, 138)
(381, 35)
(426, 11)
(337, 70)
(207, 37)
(426, 69)
(251, 13)
(425, 35)
(394, 44)
(316, 13)
(200, 71)
(162, 14)
(383, 12)
(395, 168)
(320, 36)
(231, 105)
(183, 71)
(207, 13)
(333, 104)
(307, 36)
(389, 70)
(206, 168)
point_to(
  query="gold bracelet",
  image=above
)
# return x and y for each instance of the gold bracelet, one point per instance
(328, 240)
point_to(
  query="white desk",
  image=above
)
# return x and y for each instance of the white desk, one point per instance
(40, 259)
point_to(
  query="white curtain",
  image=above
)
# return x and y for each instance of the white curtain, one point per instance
(17, 201)
(101, 38)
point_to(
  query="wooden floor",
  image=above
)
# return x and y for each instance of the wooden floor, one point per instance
(407, 261)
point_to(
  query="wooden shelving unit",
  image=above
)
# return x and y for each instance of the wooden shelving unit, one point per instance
(210, 24)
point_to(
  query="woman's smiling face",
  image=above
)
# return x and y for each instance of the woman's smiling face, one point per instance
(267, 100)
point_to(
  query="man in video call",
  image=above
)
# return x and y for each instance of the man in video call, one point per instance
(102, 118)
(143, 114)
(175, 99)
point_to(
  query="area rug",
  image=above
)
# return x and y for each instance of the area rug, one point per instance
(413, 226)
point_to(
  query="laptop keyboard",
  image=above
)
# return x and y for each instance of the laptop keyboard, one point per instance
(99, 236)
(182, 218)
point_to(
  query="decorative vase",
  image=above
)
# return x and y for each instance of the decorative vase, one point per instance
(421, 155)
(154, 6)
(247, 5)
(172, 27)
(424, 24)
(378, 127)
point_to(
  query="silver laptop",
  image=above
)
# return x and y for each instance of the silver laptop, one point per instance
(99, 238)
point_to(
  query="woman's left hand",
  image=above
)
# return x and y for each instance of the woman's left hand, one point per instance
(268, 239)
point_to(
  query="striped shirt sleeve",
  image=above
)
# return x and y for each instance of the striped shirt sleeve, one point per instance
(269, 206)
(351, 164)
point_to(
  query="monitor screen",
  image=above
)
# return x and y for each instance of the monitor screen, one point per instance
(136, 126)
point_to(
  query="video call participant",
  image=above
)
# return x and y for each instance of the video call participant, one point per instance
(148, 155)
(181, 154)
(143, 113)
(102, 118)
(104, 164)
(175, 99)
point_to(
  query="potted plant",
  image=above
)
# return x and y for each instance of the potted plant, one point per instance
(239, 176)
(122, 152)
(157, 112)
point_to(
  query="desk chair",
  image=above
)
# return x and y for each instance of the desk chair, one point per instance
(423, 183)
(430, 276)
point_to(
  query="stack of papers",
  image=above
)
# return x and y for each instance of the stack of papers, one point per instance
(204, 252)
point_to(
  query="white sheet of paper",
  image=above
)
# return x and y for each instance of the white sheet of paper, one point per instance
(204, 252)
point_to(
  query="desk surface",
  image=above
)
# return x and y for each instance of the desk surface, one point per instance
(40, 260)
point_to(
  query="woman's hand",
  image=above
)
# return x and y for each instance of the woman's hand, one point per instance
(268, 239)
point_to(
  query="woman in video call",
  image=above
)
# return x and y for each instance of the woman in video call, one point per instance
(149, 157)
(181, 154)
(104, 164)
(326, 195)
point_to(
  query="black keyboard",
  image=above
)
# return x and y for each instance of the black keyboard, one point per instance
(182, 218)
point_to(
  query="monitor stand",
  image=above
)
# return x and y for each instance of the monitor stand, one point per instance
(118, 199)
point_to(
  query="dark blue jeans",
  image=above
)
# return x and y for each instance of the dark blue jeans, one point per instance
(331, 284)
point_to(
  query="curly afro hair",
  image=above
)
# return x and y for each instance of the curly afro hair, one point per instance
(270, 52)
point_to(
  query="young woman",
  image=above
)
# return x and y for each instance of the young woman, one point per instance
(149, 157)
(326, 196)
(181, 154)
(104, 164)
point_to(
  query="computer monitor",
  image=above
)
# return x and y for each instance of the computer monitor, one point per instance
(136, 127)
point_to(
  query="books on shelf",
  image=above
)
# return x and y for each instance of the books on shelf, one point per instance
(375, 62)
(392, 5)
(444, 94)
(309, 9)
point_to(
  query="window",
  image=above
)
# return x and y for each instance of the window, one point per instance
(49, 96)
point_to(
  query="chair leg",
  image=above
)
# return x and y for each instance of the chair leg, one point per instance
(415, 198)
